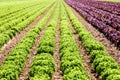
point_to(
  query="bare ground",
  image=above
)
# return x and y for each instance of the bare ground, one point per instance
(85, 56)
(58, 73)
(109, 47)
(4, 51)
(33, 51)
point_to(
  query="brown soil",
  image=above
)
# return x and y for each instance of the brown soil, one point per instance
(24, 75)
(58, 73)
(109, 47)
(25, 72)
(85, 56)
(33, 51)
(4, 51)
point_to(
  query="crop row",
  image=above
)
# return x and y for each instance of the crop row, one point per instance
(20, 11)
(12, 17)
(15, 61)
(27, 13)
(106, 6)
(112, 34)
(8, 8)
(7, 35)
(106, 17)
(71, 60)
(102, 62)
(43, 65)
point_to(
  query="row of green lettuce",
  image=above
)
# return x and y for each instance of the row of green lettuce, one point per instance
(15, 61)
(43, 65)
(8, 8)
(102, 62)
(71, 60)
(9, 23)
(9, 34)
(12, 15)
(13, 19)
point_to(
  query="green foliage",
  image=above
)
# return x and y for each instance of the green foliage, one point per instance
(71, 62)
(75, 75)
(108, 72)
(45, 49)
(114, 77)
(105, 65)
(40, 77)
(102, 63)
(90, 45)
(43, 65)
(84, 35)
(13, 23)
(68, 63)
(3, 39)
(100, 59)
(96, 53)
(15, 61)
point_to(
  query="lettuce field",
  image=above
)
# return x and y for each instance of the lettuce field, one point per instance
(59, 40)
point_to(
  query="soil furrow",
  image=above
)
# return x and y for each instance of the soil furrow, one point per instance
(85, 56)
(25, 72)
(58, 73)
(109, 47)
(4, 51)
(24, 75)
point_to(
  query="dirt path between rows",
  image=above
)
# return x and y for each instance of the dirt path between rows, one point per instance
(109, 47)
(4, 51)
(58, 73)
(33, 51)
(85, 56)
